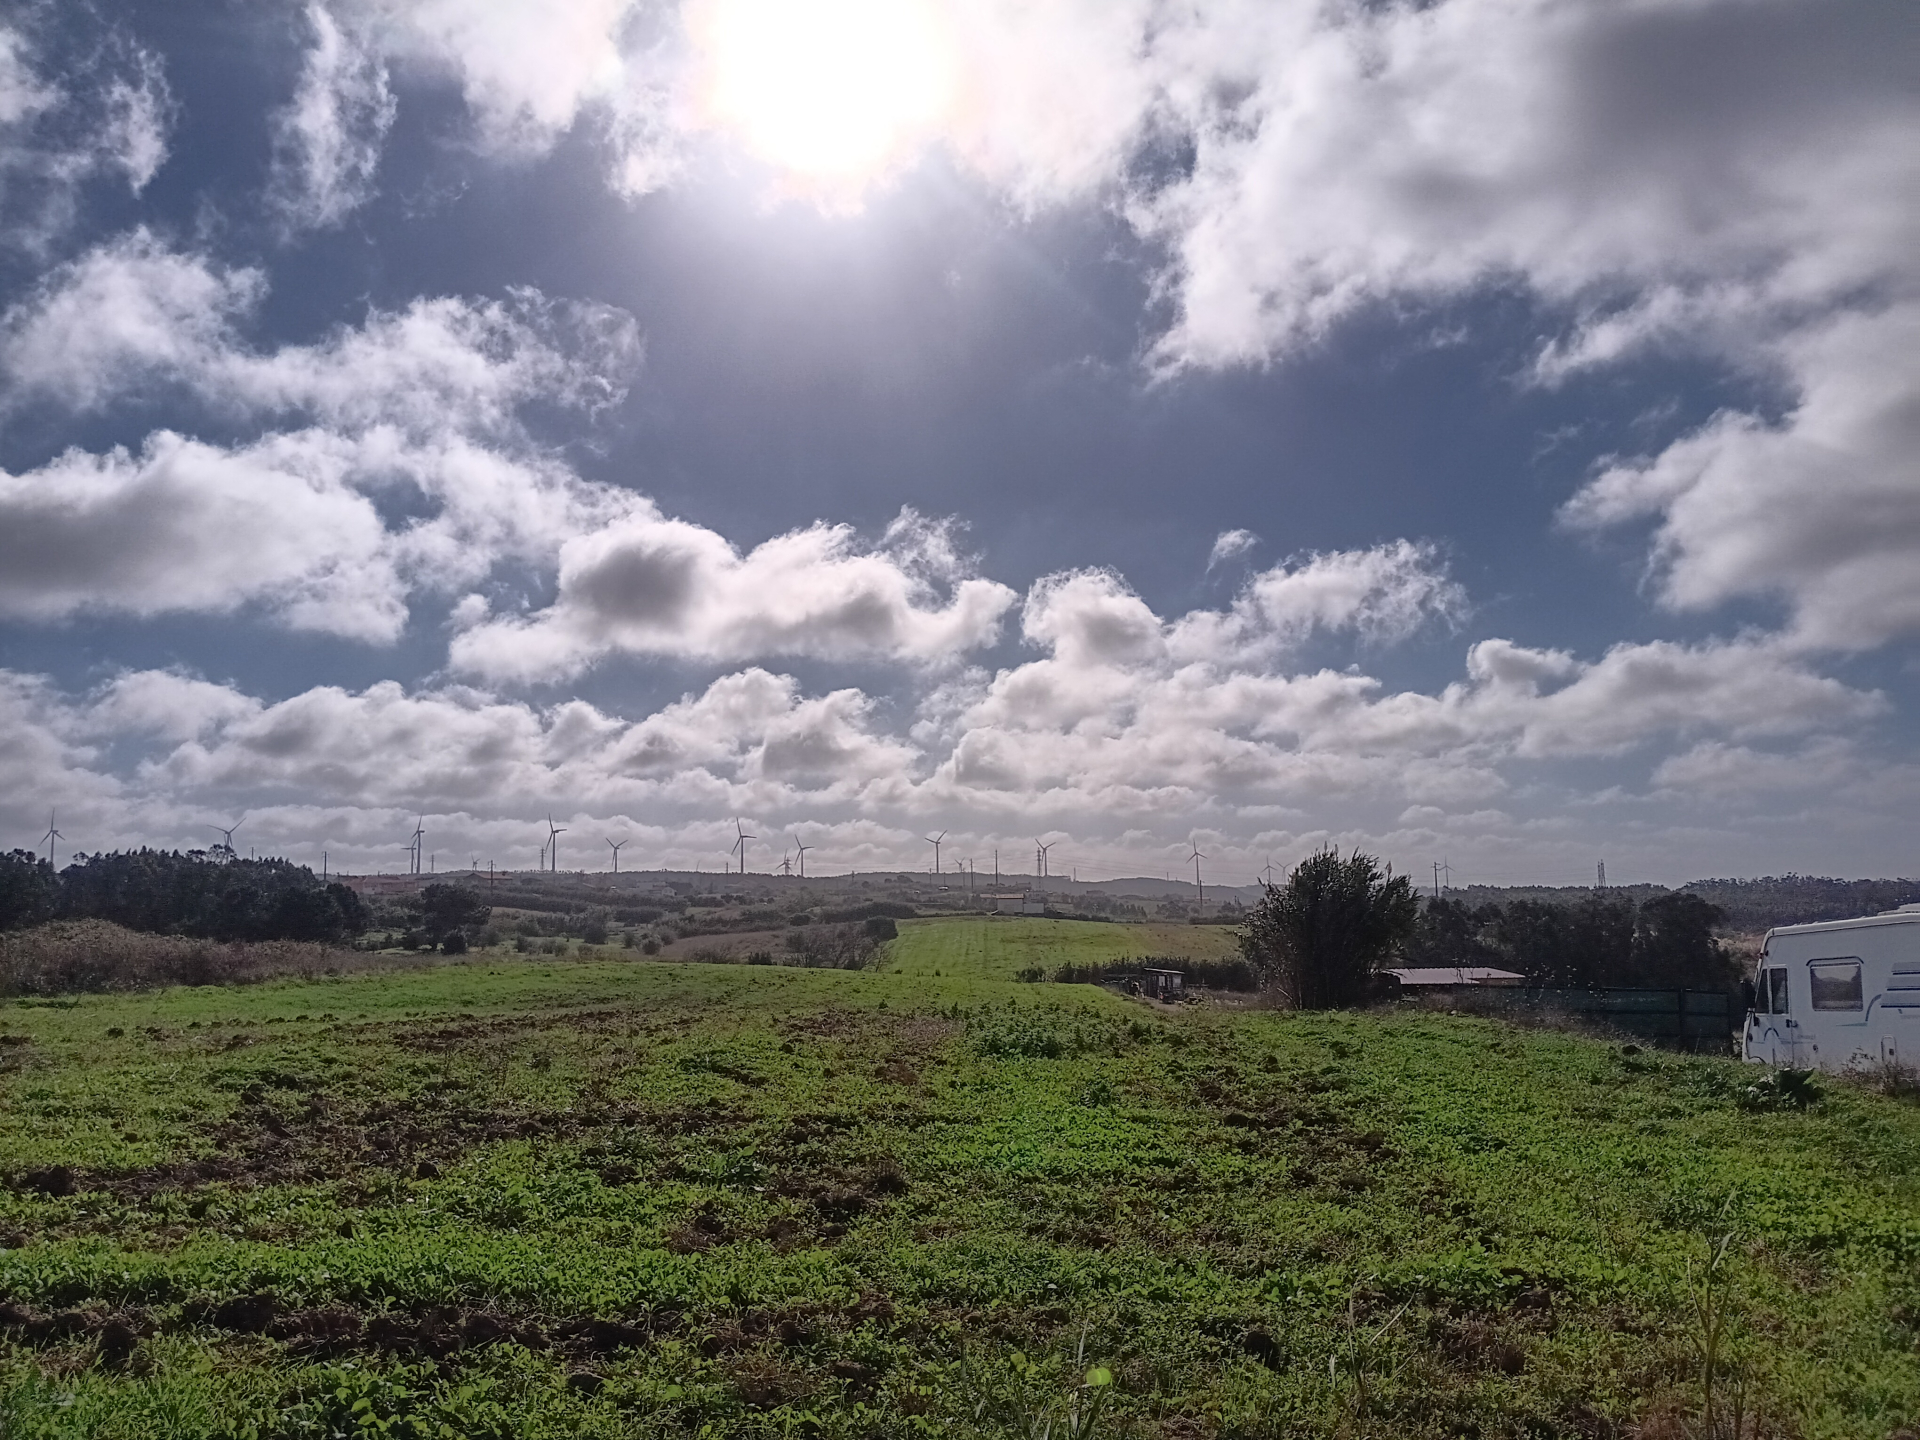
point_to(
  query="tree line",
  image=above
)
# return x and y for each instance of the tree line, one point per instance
(165, 892)
(1322, 936)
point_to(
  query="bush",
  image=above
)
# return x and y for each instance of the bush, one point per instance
(66, 956)
(834, 947)
(881, 927)
(1319, 937)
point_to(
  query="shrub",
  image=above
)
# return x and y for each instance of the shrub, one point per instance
(95, 955)
(881, 927)
(834, 947)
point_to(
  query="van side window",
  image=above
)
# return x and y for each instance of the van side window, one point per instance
(1903, 989)
(1776, 992)
(1836, 984)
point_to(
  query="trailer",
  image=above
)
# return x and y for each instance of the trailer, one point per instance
(1840, 993)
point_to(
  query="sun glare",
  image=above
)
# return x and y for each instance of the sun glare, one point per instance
(832, 91)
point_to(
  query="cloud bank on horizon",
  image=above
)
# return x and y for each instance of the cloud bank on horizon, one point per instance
(1724, 184)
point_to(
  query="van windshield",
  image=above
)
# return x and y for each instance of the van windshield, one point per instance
(1776, 998)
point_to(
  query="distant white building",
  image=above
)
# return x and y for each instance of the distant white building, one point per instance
(1419, 975)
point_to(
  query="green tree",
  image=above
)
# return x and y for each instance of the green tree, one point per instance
(28, 890)
(447, 910)
(1318, 937)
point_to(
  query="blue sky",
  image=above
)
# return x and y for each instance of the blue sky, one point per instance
(1479, 431)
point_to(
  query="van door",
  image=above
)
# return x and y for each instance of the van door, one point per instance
(1772, 1036)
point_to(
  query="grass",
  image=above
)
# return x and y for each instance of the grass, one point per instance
(514, 1199)
(998, 948)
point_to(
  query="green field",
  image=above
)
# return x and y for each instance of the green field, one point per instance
(999, 947)
(638, 1199)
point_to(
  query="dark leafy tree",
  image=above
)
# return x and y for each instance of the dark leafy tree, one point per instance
(1586, 945)
(1319, 937)
(1674, 945)
(452, 909)
(164, 892)
(1451, 932)
(28, 890)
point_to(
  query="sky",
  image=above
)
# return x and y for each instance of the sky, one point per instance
(1477, 431)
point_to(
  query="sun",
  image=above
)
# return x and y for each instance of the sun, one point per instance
(834, 92)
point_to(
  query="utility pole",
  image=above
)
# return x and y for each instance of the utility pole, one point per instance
(1602, 882)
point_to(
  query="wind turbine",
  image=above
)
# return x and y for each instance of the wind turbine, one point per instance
(786, 863)
(53, 835)
(1197, 857)
(740, 843)
(1268, 872)
(934, 840)
(554, 832)
(616, 854)
(800, 853)
(225, 847)
(418, 845)
(1040, 858)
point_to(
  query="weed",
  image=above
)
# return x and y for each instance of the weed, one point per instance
(1355, 1368)
(1784, 1089)
(1042, 1400)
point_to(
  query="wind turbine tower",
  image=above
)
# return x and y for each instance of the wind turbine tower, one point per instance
(1040, 859)
(554, 832)
(740, 843)
(616, 855)
(225, 848)
(52, 835)
(800, 854)
(934, 840)
(1197, 857)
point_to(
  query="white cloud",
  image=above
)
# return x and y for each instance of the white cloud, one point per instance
(186, 526)
(328, 139)
(1230, 545)
(135, 314)
(67, 120)
(650, 585)
(413, 473)
(1821, 509)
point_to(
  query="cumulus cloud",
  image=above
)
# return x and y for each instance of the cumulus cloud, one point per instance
(407, 468)
(1119, 747)
(655, 586)
(328, 139)
(1820, 509)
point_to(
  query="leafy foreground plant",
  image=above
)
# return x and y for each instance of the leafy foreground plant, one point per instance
(1030, 1403)
(1784, 1089)
(1723, 1389)
(403, 1403)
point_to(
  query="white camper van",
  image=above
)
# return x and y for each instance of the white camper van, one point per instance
(1829, 995)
